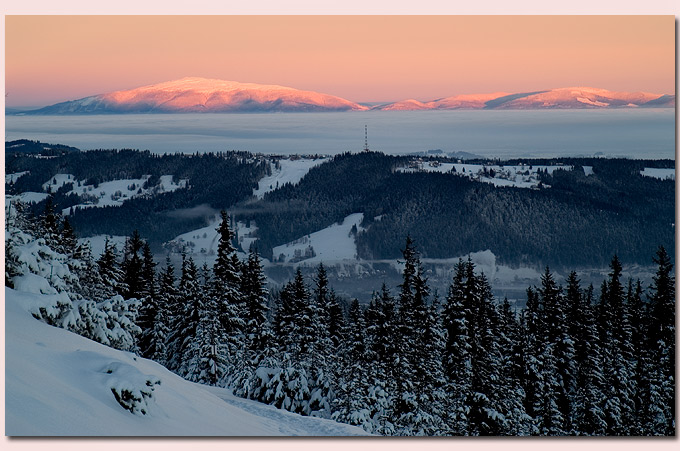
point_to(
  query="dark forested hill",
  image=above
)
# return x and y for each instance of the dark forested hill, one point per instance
(578, 220)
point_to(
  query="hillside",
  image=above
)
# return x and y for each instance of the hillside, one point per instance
(59, 384)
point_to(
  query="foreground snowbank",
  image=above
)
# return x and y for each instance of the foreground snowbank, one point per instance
(60, 384)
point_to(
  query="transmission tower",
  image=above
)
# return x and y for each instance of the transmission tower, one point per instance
(366, 149)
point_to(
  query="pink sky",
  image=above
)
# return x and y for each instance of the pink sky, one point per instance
(361, 58)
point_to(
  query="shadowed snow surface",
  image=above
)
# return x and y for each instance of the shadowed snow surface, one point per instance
(59, 384)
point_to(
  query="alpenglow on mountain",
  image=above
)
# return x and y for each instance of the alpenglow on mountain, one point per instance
(202, 95)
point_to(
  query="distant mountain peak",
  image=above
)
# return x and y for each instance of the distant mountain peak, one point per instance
(204, 95)
(576, 97)
(209, 95)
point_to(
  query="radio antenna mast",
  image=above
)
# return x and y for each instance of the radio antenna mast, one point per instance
(366, 149)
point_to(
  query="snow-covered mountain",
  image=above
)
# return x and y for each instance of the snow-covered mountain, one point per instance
(58, 383)
(202, 95)
(562, 98)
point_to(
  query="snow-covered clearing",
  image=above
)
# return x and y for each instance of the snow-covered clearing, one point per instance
(57, 181)
(332, 244)
(29, 197)
(11, 178)
(289, 171)
(112, 193)
(203, 242)
(521, 176)
(60, 384)
(659, 173)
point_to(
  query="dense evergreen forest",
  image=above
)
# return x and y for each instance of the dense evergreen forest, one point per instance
(576, 361)
(580, 220)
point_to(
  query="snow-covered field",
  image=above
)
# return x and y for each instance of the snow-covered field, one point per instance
(659, 173)
(332, 244)
(111, 193)
(203, 242)
(11, 178)
(29, 197)
(290, 171)
(59, 384)
(522, 176)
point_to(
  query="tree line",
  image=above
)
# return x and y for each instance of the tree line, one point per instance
(573, 362)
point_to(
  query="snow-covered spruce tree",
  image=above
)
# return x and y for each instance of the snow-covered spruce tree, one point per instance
(323, 368)
(661, 419)
(155, 340)
(336, 319)
(637, 313)
(615, 336)
(589, 417)
(289, 387)
(561, 355)
(226, 289)
(110, 270)
(259, 340)
(91, 285)
(49, 225)
(207, 352)
(381, 332)
(351, 404)
(185, 322)
(42, 270)
(132, 267)
(432, 398)
(512, 395)
(149, 308)
(411, 318)
(533, 327)
(486, 415)
(456, 356)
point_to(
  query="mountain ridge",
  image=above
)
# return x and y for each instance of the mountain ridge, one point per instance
(203, 95)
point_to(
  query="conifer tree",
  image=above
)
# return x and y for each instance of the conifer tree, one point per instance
(617, 352)
(381, 337)
(661, 419)
(181, 357)
(111, 273)
(149, 297)
(168, 302)
(589, 416)
(561, 356)
(226, 289)
(132, 267)
(412, 313)
(351, 405)
(456, 358)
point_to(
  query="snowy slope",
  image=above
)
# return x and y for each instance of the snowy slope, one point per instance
(290, 171)
(59, 384)
(332, 244)
(203, 242)
(29, 197)
(521, 176)
(11, 178)
(659, 173)
(112, 193)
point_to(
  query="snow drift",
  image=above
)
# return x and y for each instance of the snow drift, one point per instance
(58, 383)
